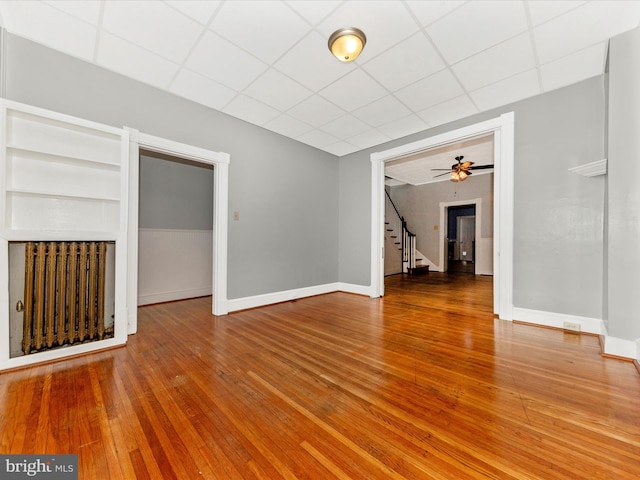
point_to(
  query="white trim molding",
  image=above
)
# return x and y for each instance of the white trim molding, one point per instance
(593, 169)
(502, 128)
(220, 200)
(557, 320)
(255, 301)
(619, 347)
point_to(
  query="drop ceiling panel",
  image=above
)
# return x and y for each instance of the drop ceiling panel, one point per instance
(45, 24)
(523, 85)
(216, 58)
(591, 23)
(425, 63)
(504, 60)
(382, 111)
(476, 26)
(139, 63)
(153, 26)
(584, 64)
(432, 90)
(277, 90)
(266, 29)
(201, 89)
(353, 91)
(411, 60)
(310, 63)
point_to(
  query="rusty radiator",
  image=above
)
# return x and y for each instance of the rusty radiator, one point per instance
(63, 294)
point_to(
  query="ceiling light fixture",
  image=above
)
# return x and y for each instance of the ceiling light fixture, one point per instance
(347, 43)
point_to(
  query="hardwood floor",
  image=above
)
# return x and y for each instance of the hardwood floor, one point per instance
(422, 384)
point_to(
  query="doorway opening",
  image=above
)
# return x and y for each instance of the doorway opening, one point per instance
(502, 129)
(175, 234)
(461, 239)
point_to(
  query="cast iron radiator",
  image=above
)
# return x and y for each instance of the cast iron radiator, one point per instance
(63, 294)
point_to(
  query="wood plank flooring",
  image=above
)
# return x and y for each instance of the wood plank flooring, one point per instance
(422, 384)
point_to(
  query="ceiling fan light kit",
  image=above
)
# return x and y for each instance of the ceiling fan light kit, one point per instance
(346, 44)
(460, 171)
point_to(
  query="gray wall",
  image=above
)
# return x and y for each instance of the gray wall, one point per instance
(420, 206)
(558, 229)
(623, 207)
(286, 193)
(175, 194)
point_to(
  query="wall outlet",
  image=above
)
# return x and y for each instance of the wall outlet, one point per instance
(572, 327)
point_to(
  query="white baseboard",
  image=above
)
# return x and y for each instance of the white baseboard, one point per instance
(551, 319)
(288, 295)
(173, 295)
(611, 346)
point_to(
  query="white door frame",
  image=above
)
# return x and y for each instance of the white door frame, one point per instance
(503, 130)
(220, 162)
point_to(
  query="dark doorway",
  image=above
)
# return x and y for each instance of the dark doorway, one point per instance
(461, 239)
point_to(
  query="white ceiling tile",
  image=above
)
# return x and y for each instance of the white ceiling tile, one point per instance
(476, 26)
(199, 10)
(87, 10)
(341, 148)
(201, 89)
(317, 139)
(382, 111)
(311, 64)
(287, 126)
(138, 63)
(250, 110)
(403, 126)
(277, 90)
(46, 25)
(353, 90)
(429, 12)
(411, 60)
(345, 126)
(544, 10)
(313, 11)
(368, 139)
(316, 111)
(267, 29)
(154, 26)
(518, 87)
(430, 91)
(374, 19)
(216, 58)
(573, 68)
(584, 26)
(504, 60)
(445, 112)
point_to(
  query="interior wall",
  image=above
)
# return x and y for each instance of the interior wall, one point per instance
(623, 255)
(175, 241)
(420, 205)
(558, 215)
(286, 193)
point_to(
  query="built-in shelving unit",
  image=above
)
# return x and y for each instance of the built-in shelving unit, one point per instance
(61, 179)
(60, 174)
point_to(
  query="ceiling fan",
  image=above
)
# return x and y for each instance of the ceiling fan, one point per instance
(461, 170)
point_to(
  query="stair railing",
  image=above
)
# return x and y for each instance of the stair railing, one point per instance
(408, 241)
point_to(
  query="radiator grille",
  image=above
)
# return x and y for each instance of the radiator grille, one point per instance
(63, 294)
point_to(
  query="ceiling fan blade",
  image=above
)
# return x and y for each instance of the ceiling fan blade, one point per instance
(442, 174)
(443, 169)
(481, 167)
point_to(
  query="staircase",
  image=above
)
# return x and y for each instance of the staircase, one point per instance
(397, 233)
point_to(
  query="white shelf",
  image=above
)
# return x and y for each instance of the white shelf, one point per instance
(57, 236)
(58, 194)
(45, 156)
(593, 169)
